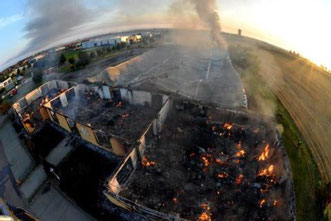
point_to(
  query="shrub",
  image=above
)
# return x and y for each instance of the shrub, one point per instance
(37, 77)
(83, 59)
(92, 55)
(62, 60)
(72, 60)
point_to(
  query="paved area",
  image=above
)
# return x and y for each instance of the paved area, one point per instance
(33, 182)
(18, 157)
(51, 205)
(59, 153)
(38, 176)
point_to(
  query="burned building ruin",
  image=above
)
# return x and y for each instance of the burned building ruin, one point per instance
(207, 164)
(180, 160)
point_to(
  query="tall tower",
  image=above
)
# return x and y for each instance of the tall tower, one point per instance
(239, 32)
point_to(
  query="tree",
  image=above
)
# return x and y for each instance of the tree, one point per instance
(72, 60)
(83, 59)
(29, 65)
(23, 69)
(109, 49)
(92, 55)
(118, 46)
(99, 52)
(18, 71)
(37, 77)
(63, 59)
(123, 44)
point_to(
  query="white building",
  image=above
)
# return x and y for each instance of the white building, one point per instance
(135, 38)
(104, 41)
(8, 84)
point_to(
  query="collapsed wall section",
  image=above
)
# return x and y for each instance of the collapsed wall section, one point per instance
(30, 110)
(112, 119)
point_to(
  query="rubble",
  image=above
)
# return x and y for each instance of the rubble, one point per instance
(108, 117)
(208, 169)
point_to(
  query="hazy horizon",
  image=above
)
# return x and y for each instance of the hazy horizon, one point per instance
(28, 26)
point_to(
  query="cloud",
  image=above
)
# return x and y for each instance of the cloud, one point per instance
(51, 20)
(9, 20)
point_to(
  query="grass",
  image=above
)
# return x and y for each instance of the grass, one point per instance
(74, 53)
(71, 54)
(309, 191)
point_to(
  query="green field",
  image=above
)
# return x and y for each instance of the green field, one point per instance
(74, 54)
(309, 191)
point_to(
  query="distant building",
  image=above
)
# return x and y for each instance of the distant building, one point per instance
(239, 32)
(60, 48)
(147, 34)
(104, 41)
(135, 38)
(37, 58)
(8, 84)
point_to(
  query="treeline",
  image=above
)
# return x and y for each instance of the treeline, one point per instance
(83, 58)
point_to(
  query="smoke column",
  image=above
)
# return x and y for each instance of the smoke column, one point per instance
(207, 11)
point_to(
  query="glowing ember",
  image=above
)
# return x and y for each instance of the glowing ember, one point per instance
(192, 154)
(267, 172)
(205, 216)
(264, 155)
(261, 203)
(239, 179)
(119, 104)
(174, 200)
(147, 162)
(205, 206)
(218, 161)
(228, 126)
(275, 203)
(239, 145)
(241, 153)
(205, 161)
(222, 175)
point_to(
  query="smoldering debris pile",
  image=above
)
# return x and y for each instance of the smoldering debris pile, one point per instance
(108, 117)
(211, 170)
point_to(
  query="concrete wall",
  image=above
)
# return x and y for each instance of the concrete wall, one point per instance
(112, 73)
(161, 117)
(21, 104)
(136, 154)
(117, 146)
(63, 122)
(39, 92)
(87, 133)
(136, 97)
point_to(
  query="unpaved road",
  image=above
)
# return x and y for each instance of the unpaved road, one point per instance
(305, 91)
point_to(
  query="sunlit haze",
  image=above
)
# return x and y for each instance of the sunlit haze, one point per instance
(299, 25)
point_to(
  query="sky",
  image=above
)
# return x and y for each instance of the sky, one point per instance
(27, 26)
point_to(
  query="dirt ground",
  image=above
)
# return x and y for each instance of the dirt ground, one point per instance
(304, 90)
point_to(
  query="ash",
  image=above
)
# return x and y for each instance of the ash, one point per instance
(203, 168)
(108, 118)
